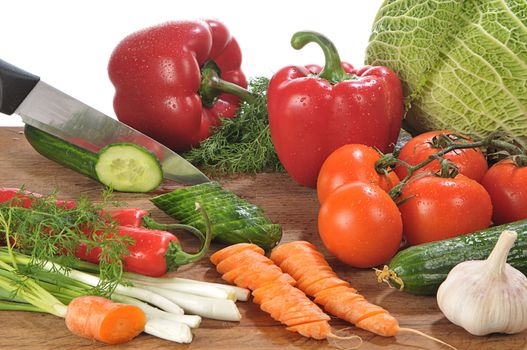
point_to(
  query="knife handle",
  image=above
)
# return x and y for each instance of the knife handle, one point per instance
(15, 85)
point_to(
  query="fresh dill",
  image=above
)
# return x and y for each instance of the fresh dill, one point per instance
(47, 229)
(242, 144)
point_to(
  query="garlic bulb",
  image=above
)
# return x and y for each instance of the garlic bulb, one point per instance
(486, 296)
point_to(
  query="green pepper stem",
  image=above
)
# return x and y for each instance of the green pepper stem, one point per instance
(212, 85)
(176, 256)
(333, 71)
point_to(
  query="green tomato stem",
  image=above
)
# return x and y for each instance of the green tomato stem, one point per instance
(395, 192)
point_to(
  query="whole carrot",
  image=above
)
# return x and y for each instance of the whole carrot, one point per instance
(317, 279)
(245, 265)
(98, 318)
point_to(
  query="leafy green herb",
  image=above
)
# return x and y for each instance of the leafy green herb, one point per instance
(48, 231)
(242, 144)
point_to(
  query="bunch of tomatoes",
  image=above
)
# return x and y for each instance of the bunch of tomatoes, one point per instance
(363, 226)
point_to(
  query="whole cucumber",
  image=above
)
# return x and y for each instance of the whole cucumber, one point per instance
(424, 267)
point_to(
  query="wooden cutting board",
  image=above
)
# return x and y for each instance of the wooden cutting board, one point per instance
(286, 203)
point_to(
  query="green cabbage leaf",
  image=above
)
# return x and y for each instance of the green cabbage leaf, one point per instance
(463, 64)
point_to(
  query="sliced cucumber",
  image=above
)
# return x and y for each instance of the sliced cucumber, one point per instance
(233, 219)
(125, 166)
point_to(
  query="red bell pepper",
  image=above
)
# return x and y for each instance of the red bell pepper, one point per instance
(154, 251)
(311, 115)
(167, 80)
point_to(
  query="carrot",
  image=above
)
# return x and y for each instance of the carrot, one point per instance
(98, 318)
(273, 290)
(301, 260)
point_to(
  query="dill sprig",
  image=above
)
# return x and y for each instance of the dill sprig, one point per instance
(242, 144)
(48, 231)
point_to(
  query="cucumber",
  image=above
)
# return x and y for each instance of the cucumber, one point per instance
(240, 212)
(424, 267)
(233, 220)
(123, 166)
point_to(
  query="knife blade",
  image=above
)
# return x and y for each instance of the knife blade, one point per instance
(53, 111)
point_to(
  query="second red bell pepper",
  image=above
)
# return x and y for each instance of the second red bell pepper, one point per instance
(311, 115)
(167, 80)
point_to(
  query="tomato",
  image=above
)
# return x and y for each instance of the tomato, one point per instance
(507, 186)
(438, 208)
(470, 161)
(360, 224)
(353, 162)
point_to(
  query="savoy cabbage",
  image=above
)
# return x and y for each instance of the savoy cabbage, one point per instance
(463, 63)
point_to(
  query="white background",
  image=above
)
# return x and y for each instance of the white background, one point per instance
(68, 43)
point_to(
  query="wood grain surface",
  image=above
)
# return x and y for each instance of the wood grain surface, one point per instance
(292, 206)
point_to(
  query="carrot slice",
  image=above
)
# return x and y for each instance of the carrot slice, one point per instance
(323, 284)
(281, 252)
(316, 330)
(283, 278)
(285, 291)
(277, 305)
(313, 312)
(98, 318)
(382, 324)
(357, 308)
(232, 274)
(269, 290)
(301, 317)
(307, 280)
(298, 270)
(242, 258)
(301, 258)
(299, 307)
(323, 296)
(218, 256)
(258, 276)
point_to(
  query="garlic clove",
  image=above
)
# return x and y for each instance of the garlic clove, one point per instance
(486, 296)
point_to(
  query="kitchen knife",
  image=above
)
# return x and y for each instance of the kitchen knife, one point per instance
(46, 108)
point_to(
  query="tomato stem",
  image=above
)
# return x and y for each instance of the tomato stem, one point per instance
(448, 143)
(396, 191)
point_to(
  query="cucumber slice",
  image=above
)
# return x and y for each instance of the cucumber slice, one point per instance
(128, 167)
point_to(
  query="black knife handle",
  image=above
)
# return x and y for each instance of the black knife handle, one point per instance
(15, 85)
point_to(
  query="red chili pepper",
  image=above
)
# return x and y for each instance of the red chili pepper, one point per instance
(167, 80)
(154, 251)
(129, 216)
(25, 198)
(311, 115)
